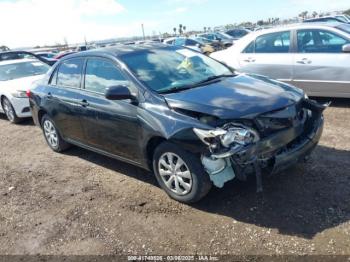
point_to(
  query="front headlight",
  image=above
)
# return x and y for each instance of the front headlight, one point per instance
(19, 94)
(306, 96)
(237, 135)
(227, 136)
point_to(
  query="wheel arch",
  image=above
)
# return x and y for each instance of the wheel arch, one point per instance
(41, 113)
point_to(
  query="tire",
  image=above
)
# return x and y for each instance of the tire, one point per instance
(9, 111)
(189, 182)
(52, 136)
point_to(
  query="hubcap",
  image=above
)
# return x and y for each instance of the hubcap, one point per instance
(50, 133)
(175, 173)
(8, 110)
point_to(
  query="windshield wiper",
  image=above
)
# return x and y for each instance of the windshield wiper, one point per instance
(185, 87)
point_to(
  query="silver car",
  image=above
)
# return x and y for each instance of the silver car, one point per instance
(314, 56)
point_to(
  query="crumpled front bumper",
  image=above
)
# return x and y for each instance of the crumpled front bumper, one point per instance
(277, 151)
(300, 151)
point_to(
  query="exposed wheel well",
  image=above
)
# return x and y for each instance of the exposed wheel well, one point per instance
(152, 144)
(41, 113)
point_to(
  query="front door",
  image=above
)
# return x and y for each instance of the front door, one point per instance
(320, 66)
(269, 55)
(111, 126)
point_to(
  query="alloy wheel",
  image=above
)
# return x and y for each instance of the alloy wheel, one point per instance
(8, 110)
(175, 173)
(50, 133)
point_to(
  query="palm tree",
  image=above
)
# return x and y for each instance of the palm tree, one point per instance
(184, 28)
(205, 29)
(314, 14)
(174, 30)
(180, 29)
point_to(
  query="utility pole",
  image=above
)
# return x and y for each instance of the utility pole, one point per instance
(143, 32)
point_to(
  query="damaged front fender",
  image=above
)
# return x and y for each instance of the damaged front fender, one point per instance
(273, 153)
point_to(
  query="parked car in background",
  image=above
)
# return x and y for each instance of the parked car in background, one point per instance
(184, 41)
(224, 41)
(63, 54)
(311, 56)
(16, 77)
(208, 46)
(344, 17)
(49, 55)
(176, 112)
(237, 33)
(337, 19)
(198, 44)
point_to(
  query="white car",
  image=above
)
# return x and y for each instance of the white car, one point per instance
(312, 56)
(16, 77)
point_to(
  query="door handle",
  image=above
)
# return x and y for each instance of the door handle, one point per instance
(249, 60)
(84, 103)
(304, 61)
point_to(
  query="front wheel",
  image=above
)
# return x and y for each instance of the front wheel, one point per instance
(52, 136)
(180, 173)
(10, 111)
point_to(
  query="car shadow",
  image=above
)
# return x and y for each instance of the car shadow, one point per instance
(24, 122)
(113, 164)
(302, 201)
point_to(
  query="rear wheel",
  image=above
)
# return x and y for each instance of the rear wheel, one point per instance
(180, 173)
(52, 136)
(9, 111)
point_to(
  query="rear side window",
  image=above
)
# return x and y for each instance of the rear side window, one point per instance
(320, 41)
(69, 73)
(101, 74)
(249, 48)
(273, 43)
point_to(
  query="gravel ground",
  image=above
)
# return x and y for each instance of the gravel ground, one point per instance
(82, 203)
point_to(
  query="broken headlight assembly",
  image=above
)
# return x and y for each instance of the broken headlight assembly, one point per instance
(229, 135)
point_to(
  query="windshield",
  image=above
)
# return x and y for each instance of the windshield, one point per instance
(344, 28)
(166, 69)
(23, 69)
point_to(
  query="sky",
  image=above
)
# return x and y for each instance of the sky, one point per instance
(27, 23)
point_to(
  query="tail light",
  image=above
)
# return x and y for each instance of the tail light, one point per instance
(28, 93)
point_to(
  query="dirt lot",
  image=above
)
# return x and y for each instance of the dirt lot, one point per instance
(83, 203)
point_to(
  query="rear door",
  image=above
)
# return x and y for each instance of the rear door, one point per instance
(63, 98)
(269, 55)
(320, 66)
(111, 126)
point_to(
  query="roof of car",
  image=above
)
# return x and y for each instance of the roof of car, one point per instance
(298, 26)
(17, 61)
(119, 50)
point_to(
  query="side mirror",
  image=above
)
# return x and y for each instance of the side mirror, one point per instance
(346, 48)
(120, 92)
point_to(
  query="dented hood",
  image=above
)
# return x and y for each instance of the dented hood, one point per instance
(241, 96)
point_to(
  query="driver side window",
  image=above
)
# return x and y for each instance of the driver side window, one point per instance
(101, 74)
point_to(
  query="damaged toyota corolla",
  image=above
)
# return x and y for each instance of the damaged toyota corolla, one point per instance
(186, 117)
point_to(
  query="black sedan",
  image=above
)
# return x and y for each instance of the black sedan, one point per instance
(176, 112)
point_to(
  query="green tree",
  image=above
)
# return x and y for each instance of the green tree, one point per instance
(347, 12)
(174, 30)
